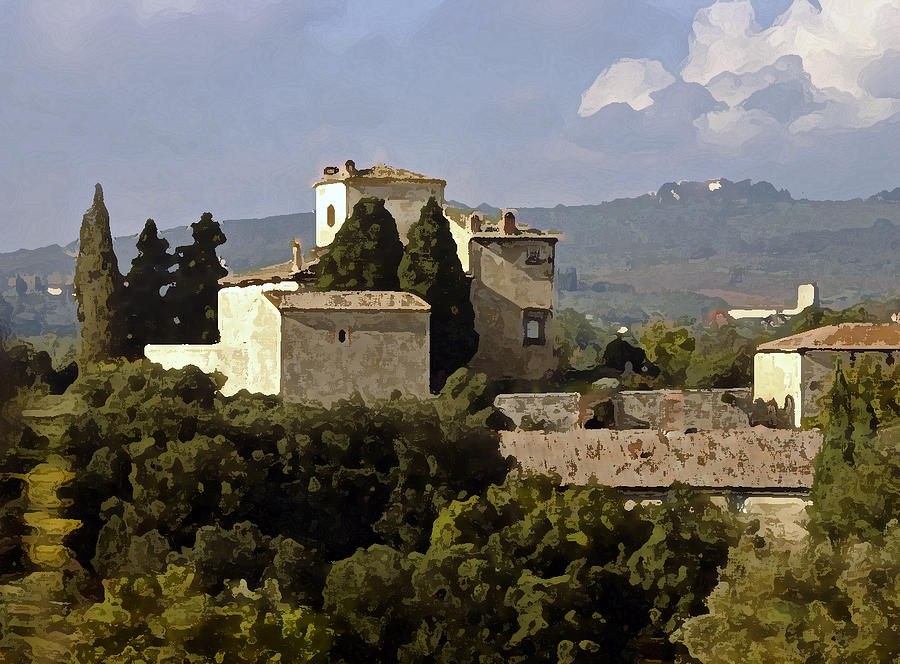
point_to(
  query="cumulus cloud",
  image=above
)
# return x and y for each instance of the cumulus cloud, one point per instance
(837, 63)
(825, 66)
(628, 81)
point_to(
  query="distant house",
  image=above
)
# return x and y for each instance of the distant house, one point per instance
(796, 371)
(807, 296)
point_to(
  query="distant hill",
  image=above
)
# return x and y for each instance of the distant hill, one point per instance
(685, 249)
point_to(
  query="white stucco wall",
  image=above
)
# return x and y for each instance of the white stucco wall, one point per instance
(461, 236)
(333, 193)
(249, 351)
(737, 314)
(778, 376)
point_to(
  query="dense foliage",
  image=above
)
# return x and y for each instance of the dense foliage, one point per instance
(147, 319)
(365, 253)
(430, 268)
(835, 597)
(193, 299)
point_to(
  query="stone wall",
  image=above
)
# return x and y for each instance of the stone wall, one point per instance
(679, 410)
(381, 352)
(753, 458)
(512, 276)
(404, 199)
(557, 411)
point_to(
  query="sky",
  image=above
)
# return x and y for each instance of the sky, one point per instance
(235, 106)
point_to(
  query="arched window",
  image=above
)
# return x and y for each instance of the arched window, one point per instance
(342, 336)
(330, 214)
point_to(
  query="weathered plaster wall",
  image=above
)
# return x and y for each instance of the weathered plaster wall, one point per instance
(778, 376)
(333, 193)
(383, 351)
(752, 458)
(503, 286)
(559, 410)
(678, 410)
(403, 199)
(248, 352)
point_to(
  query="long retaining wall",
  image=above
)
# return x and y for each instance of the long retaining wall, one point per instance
(756, 459)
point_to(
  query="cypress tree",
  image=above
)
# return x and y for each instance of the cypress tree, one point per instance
(365, 253)
(146, 316)
(849, 424)
(430, 268)
(98, 287)
(193, 298)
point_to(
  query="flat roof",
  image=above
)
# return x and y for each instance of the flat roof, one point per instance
(378, 172)
(351, 300)
(521, 235)
(846, 336)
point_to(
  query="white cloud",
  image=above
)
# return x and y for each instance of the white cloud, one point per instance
(733, 128)
(627, 81)
(835, 55)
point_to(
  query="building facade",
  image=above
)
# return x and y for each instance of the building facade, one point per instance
(796, 371)
(312, 346)
(512, 294)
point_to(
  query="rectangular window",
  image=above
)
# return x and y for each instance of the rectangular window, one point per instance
(535, 324)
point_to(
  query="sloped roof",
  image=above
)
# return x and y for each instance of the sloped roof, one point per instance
(846, 336)
(270, 273)
(351, 300)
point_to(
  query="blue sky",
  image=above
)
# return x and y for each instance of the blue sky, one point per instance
(234, 106)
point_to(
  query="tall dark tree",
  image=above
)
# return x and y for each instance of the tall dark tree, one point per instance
(193, 298)
(430, 268)
(365, 253)
(21, 286)
(146, 315)
(98, 287)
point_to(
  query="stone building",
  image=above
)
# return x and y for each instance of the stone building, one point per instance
(404, 193)
(312, 346)
(796, 371)
(279, 337)
(512, 294)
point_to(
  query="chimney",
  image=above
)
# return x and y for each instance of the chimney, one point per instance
(296, 255)
(509, 224)
(350, 167)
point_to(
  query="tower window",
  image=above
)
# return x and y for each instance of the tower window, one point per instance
(330, 215)
(342, 336)
(535, 324)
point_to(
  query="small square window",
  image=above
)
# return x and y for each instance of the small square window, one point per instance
(535, 324)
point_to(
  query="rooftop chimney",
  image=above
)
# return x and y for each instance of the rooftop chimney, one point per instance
(296, 255)
(509, 223)
(350, 167)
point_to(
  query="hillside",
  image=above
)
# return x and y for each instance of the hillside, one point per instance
(686, 249)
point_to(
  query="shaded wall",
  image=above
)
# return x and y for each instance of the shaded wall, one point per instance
(382, 351)
(511, 275)
(557, 411)
(678, 410)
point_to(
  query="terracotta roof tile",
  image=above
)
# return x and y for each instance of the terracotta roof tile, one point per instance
(846, 336)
